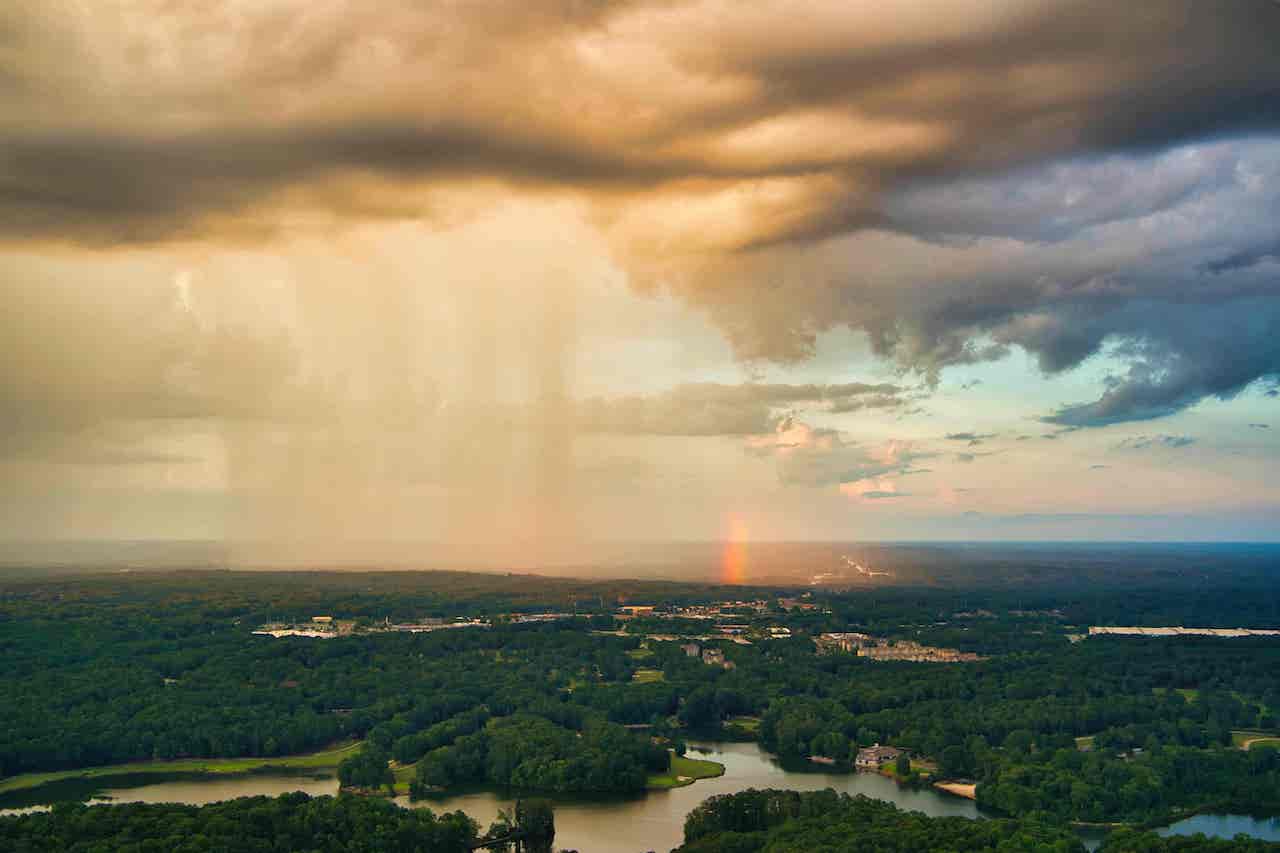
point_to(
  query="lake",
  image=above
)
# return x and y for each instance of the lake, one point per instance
(655, 821)
(1226, 826)
(652, 821)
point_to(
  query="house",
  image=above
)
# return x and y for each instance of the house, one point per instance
(875, 756)
(841, 642)
(322, 620)
(691, 649)
(713, 657)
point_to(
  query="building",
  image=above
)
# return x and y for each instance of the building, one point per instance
(637, 609)
(909, 650)
(842, 642)
(691, 649)
(713, 657)
(875, 756)
(778, 632)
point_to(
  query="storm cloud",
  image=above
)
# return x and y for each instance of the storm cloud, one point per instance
(953, 182)
(418, 260)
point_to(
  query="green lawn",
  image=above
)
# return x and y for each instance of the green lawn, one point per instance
(639, 654)
(1245, 738)
(1085, 742)
(685, 771)
(1187, 693)
(750, 724)
(645, 676)
(325, 758)
(404, 774)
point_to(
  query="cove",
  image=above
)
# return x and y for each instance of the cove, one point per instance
(650, 821)
(655, 821)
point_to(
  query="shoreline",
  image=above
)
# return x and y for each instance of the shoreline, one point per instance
(687, 771)
(326, 758)
(968, 791)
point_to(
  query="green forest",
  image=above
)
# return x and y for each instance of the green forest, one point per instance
(755, 821)
(107, 670)
(292, 822)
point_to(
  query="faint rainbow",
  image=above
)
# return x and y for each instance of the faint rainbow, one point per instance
(733, 558)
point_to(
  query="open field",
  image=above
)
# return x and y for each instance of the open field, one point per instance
(960, 789)
(404, 774)
(1246, 739)
(325, 758)
(647, 676)
(686, 771)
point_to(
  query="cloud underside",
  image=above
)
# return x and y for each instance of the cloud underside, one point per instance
(708, 409)
(954, 180)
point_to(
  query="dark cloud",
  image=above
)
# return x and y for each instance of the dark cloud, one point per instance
(974, 90)
(972, 438)
(874, 401)
(709, 408)
(1064, 178)
(1142, 442)
(1098, 467)
(1260, 426)
(1182, 355)
(1247, 258)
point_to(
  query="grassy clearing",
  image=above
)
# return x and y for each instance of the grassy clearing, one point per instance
(324, 759)
(923, 769)
(1262, 741)
(404, 774)
(646, 676)
(750, 724)
(639, 654)
(1190, 694)
(1083, 743)
(685, 771)
(1246, 738)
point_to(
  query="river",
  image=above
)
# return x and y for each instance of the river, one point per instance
(652, 821)
(655, 821)
(1226, 826)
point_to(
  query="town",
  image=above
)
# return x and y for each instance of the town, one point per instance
(631, 619)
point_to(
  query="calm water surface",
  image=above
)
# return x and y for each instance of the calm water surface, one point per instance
(656, 820)
(1226, 826)
(653, 821)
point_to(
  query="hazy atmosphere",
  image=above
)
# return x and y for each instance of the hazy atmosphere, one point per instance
(546, 276)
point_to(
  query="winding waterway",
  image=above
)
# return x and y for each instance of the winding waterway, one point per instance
(652, 821)
(655, 821)
(1226, 826)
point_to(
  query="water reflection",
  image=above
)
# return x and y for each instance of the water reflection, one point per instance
(655, 821)
(1226, 826)
(652, 821)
